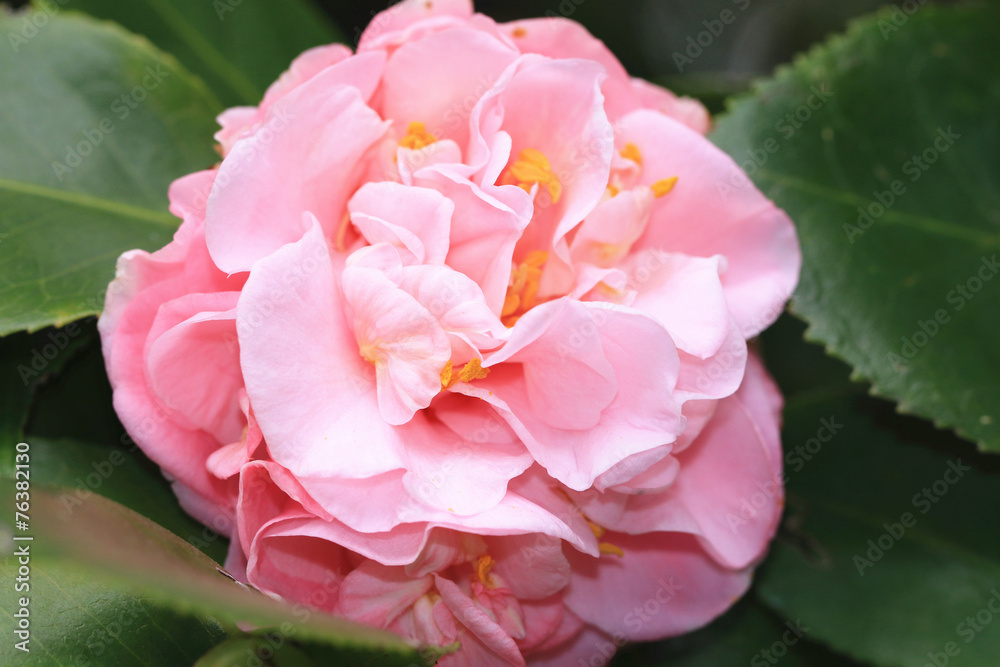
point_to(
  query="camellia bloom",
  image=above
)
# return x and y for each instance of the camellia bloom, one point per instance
(453, 342)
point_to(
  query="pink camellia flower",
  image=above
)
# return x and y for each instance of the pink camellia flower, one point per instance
(453, 343)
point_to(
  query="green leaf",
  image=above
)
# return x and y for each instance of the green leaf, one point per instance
(125, 476)
(237, 47)
(77, 403)
(94, 125)
(885, 552)
(28, 361)
(267, 651)
(904, 102)
(111, 542)
(77, 621)
(274, 650)
(746, 634)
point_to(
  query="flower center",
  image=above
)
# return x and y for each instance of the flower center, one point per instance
(604, 547)
(417, 136)
(471, 371)
(483, 567)
(631, 152)
(530, 168)
(523, 287)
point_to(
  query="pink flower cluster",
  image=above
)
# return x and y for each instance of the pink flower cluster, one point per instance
(455, 335)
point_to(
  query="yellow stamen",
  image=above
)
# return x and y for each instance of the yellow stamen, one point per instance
(510, 305)
(484, 564)
(608, 548)
(446, 374)
(631, 152)
(597, 530)
(608, 290)
(603, 547)
(417, 136)
(340, 240)
(613, 190)
(533, 167)
(522, 292)
(369, 352)
(519, 32)
(663, 186)
(473, 371)
(536, 258)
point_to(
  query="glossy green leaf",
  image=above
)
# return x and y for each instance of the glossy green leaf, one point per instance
(259, 649)
(77, 403)
(888, 548)
(122, 474)
(748, 634)
(28, 361)
(94, 125)
(238, 47)
(75, 620)
(111, 542)
(881, 145)
(274, 650)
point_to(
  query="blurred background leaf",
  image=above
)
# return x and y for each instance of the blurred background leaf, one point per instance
(86, 179)
(114, 549)
(882, 146)
(238, 47)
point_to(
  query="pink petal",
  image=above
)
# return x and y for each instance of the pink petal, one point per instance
(457, 302)
(484, 230)
(685, 295)
(585, 645)
(716, 376)
(557, 37)
(401, 338)
(386, 26)
(464, 471)
(313, 394)
(438, 79)
(607, 235)
(377, 595)
(665, 585)
(704, 216)
(556, 107)
(309, 153)
(533, 566)
(729, 491)
(481, 626)
(685, 110)
(194, 364)
(568, 380)
(641, 416)
(417, 219)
